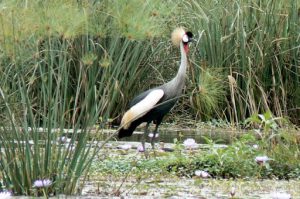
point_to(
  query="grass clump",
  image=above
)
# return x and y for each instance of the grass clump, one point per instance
(208, 93)
(256, 44)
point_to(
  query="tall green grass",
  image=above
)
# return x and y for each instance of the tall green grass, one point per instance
(256, 43)
(67, 66)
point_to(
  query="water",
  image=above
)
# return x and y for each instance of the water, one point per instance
(220, 136)
(167, 135)
(186, 188)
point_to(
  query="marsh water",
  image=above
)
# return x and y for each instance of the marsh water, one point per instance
(175, 188)
(168, 135)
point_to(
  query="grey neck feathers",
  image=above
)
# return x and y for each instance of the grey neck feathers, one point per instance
(179, 80)
(183, 63)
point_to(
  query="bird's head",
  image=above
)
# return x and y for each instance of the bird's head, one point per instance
(179, 35)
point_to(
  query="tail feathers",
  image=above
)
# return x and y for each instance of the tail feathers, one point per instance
(125, 132)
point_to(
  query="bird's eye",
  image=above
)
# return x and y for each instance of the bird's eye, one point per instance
(189, 34)
(185, 38)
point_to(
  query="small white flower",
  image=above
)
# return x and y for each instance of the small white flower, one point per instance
(278, 195)
(232, 191)
(150, 135)
(42, 183)
(63, 139)
(198, 173)
(125, 147)
(140, 148)
(202, 174)
(255, 146)
(190, 143)
(5, 194)
(261, 159)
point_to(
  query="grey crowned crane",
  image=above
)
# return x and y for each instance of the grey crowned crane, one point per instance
(152, 105)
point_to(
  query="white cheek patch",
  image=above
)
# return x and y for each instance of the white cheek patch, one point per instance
(185, 38)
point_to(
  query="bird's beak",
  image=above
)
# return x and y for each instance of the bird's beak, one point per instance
(192, 40)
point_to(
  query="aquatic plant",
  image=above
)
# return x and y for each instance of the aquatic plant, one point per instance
(240, 160)
(140, 148)
(202, 174)
(42, 187)
(190, 143)
(261, 160)
(5, 194)
(232, 191)
(42, 183)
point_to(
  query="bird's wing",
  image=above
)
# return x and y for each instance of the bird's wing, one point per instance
(140, 97)
(142, 107)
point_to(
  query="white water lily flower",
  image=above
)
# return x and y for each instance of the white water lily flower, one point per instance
(261, 159)
(42, 183)
(232, 191)
(140, 148)
(5, 194)
(63, 139)
(202, 174)
(190, 143)
(278, 195)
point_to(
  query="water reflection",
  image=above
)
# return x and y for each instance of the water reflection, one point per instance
(218, 136)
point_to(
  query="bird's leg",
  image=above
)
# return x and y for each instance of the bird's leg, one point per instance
(144, 139)
(154, 136)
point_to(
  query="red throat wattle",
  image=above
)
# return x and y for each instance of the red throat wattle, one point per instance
(186, 48)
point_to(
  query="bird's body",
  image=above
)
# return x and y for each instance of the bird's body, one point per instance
(154, 104)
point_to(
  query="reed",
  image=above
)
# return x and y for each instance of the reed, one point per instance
(65, 65)
(255, 43)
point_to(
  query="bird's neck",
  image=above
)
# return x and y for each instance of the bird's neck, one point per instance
(183, 61)
(180, 77)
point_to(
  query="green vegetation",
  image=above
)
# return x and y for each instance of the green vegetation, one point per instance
(256, 44)
(65, 65)
(77, 63)
(235, 161)
(245, 60)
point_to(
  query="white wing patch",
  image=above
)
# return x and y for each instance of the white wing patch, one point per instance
(141, 108)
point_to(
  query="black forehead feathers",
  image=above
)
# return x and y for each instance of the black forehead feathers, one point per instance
(189, 34)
